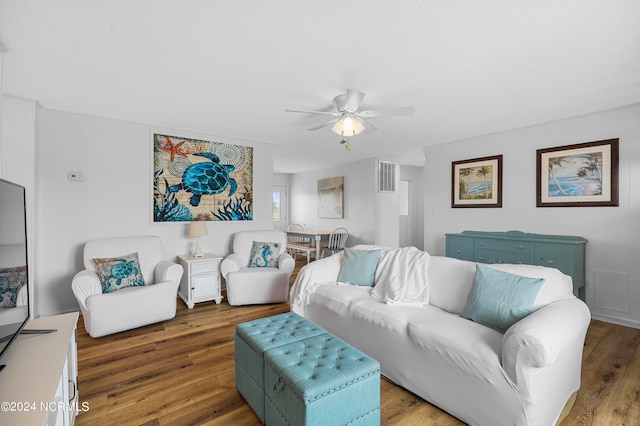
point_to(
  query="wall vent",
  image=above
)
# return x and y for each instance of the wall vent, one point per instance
(386, 177)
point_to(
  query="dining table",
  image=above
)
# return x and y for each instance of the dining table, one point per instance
(317, 236)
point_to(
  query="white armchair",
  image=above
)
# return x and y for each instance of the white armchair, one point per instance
(251, 286)
(131, 307)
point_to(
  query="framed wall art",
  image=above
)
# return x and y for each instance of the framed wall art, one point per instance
(477, 182)
(199, 180)
(331, 198)
(581, 175)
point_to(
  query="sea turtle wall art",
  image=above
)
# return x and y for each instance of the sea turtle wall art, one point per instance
(198, 180)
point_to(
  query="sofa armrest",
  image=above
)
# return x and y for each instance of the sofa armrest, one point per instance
(286, 263)
(231, 263)
(316, 273)
(542, 338)
(168, 271)
(84, 284)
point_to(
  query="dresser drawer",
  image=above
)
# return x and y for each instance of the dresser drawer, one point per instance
(460, 247)
(554, 256)
(502, 245)
(496, 256)
(204, 266)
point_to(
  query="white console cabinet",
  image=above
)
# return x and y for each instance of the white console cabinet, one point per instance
(39, 385)
(201, 279)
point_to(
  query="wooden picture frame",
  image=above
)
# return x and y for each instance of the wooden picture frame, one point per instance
(580, 175)
(477, 182)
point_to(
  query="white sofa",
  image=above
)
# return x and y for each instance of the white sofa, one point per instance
(250, 286)
(479, 375)
(129, 307)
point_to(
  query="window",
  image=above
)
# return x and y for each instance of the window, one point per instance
(276, 206)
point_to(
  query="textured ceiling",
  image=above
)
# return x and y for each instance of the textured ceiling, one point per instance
(231, 68)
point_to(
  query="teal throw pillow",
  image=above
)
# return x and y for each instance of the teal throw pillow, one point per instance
(359, 267)
(264, 255)
(500, 299)
(119, 272)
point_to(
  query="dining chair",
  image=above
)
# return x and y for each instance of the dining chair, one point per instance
(337, 240)
(297, 243)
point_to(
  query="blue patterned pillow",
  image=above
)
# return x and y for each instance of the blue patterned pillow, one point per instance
(264, 255)
(11, 281)
(119, 272)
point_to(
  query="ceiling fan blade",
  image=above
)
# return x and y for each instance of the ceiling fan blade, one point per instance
(368, 127)
(409, 110)
(353, 99)
(320, 126)
(312, 112)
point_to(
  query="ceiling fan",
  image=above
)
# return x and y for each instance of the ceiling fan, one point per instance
(348, 120)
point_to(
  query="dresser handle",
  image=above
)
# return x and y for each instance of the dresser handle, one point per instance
(481, 258)
(551, 262)
(481, 244)
(520, 247)
(458, 251)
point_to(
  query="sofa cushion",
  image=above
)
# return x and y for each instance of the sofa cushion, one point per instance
(466, 347)
(499, 299)
(119, 272)
(556, 286)
(359, 267)
(264, 254)
(450, 282)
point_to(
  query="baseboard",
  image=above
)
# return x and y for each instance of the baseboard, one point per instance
(615, 320)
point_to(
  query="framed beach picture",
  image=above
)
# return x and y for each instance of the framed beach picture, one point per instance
(331, 198)
(477, 182)
(578, 175)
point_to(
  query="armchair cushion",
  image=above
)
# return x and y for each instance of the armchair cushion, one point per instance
(116, 273)
(264, 255)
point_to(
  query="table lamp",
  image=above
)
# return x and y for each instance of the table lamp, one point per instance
(197, 229)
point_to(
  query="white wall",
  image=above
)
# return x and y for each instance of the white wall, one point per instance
(115, 197)
(17, 161)
(413, 224)
(371, 217)
(613, 233)
(359, 203)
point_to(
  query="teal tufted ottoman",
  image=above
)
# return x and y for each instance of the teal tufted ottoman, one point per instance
(252, 339)
(321, 381)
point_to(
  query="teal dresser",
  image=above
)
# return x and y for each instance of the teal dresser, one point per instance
(562, 252)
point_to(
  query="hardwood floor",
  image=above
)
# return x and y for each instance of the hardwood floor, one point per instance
(181, 372)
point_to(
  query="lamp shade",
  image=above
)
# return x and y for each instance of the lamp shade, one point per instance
(348, 125)
(198, 229)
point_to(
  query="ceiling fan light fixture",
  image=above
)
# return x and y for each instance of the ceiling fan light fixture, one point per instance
(348, 125)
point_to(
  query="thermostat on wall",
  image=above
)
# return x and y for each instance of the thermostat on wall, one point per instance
(76, 176)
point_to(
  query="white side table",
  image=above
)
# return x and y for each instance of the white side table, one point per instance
(201, 279)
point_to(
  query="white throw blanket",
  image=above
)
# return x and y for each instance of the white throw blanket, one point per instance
(401, 277)
(320, 272)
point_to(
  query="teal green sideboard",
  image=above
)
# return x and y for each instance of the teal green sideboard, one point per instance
(566, 253)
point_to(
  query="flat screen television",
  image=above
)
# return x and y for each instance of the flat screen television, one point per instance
(14, 276)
